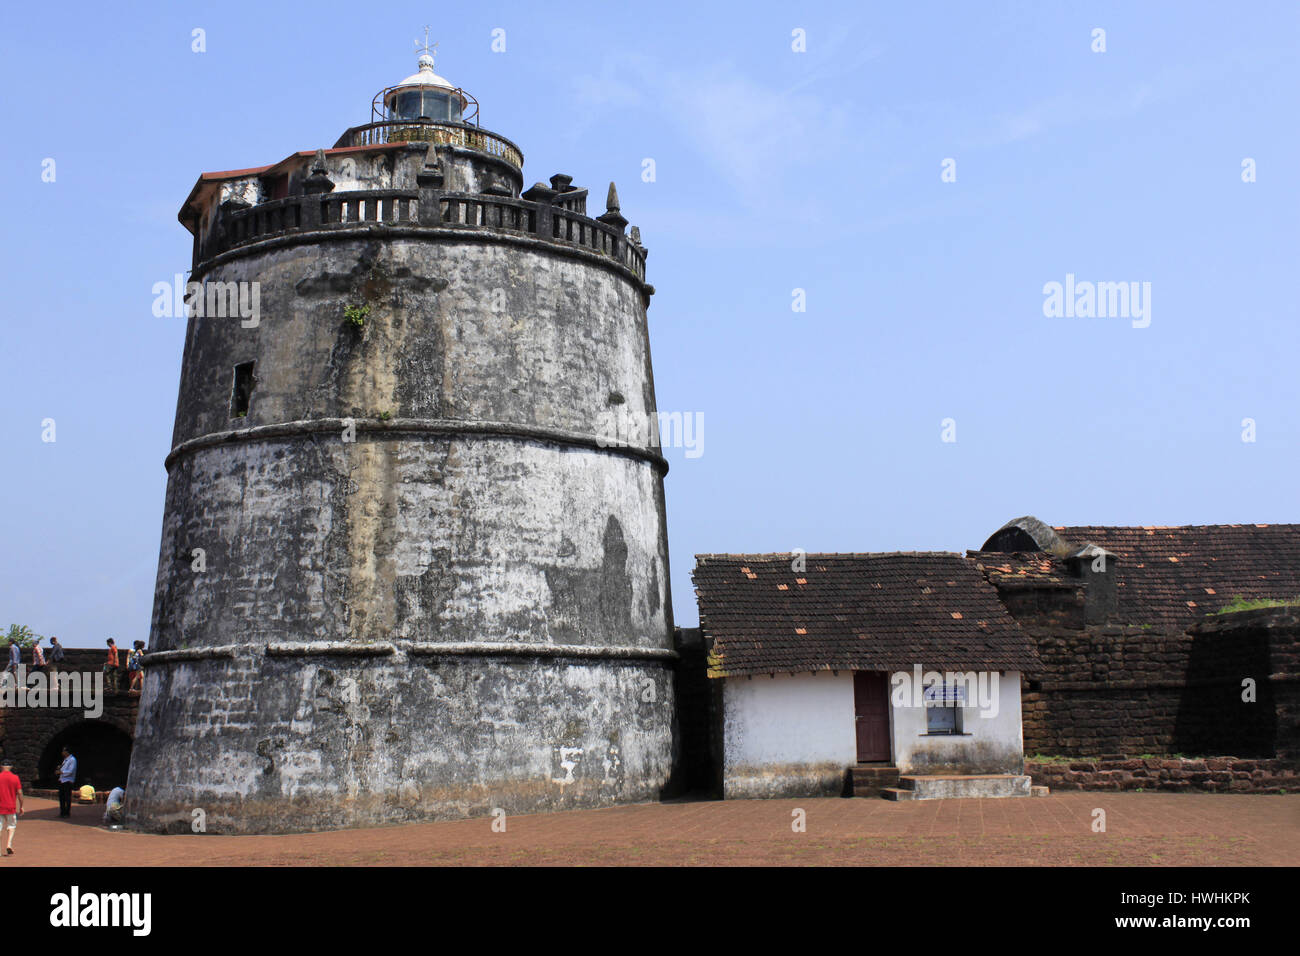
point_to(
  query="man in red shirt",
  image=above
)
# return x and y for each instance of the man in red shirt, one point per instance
(11, 802)
(110, 667)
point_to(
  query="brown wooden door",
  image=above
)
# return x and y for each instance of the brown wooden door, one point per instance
(871, 707)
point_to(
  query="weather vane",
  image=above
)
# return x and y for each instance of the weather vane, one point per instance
(426, 49)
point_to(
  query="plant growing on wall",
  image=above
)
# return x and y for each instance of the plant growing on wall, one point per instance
(1248, 604)
(356, 314)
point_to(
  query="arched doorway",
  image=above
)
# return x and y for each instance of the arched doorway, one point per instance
(103, 754)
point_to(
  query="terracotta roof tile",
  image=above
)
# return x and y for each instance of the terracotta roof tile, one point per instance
(859, 612)
(1164, 573)
(1022, 568)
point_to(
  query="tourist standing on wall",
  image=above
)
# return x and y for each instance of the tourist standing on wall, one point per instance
(67, 777)
(38, 656)
(110, 667)
(11, 802)
(56, 657)
(15, 658)
(135, 664)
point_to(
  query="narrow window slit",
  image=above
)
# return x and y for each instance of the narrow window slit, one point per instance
(242, 392)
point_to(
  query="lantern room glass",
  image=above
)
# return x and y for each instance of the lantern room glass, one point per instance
(440, 106)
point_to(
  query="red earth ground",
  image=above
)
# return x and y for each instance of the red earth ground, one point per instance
(1142, 829)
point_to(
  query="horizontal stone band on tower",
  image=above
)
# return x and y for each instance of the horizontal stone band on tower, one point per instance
(398, 426)
(187, 655)
(528, 649)
(423, 208)
(412, 649)
(470, 649)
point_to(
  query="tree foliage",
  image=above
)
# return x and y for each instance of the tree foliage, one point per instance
(23, 634)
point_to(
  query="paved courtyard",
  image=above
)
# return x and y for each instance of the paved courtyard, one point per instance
(1142, 829)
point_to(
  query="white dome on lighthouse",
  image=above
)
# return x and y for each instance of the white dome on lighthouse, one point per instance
(426, 76)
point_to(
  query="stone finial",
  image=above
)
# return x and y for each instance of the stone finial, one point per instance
(319, 180)
(612, 215)
(634, 240)
(430, 175)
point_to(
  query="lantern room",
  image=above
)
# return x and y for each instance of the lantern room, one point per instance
(425, 97)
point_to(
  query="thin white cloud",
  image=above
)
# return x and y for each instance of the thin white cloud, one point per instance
(759, 137)
(1079, 108)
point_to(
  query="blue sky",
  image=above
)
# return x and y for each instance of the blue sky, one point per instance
(775, 170)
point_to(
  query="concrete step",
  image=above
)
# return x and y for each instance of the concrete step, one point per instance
(868, 780)
(950, 786)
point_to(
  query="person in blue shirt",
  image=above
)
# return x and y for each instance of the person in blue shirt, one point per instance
(15, 658)
(113, 808)
(67, 777)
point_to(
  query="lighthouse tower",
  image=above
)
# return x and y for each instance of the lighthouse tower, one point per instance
(414, 560)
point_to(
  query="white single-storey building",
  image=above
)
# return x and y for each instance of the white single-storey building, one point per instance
(835, 673)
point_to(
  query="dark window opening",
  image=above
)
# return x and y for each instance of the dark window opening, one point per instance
(275, 187)
(242, 393)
